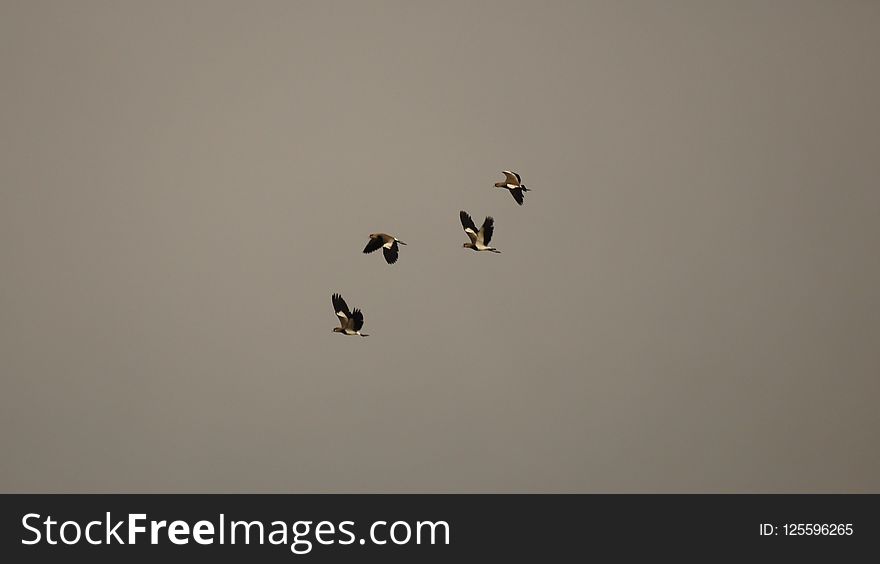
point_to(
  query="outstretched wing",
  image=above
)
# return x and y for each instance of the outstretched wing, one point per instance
(374, 244)
(469, 227)
(341, 309)
(390, 252)
(357, 319)
(512, 177)
(486, 231)
(517, 194)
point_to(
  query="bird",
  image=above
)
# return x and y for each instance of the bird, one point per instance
(350, 321)
(387, 242)
(479, 239)
(514, 184)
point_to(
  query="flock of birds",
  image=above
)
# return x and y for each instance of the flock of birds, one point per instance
(352, 321)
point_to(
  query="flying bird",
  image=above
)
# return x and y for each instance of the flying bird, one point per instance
(479, 239)
(350, 321)
(514, 185)
(388, 244)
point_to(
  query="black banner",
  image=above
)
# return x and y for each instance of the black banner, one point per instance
(420, 528)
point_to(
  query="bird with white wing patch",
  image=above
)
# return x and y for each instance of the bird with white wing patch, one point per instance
(350, 322)
(513, 183)
(479, 238)
(388, 244)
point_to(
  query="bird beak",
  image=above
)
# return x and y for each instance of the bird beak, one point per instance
(401, 242)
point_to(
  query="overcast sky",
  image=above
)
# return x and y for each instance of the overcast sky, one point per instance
(689, 300)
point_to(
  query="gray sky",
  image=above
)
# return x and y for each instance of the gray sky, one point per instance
(688, 301)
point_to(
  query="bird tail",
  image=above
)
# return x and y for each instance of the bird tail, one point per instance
(495, 251)
(364, 334)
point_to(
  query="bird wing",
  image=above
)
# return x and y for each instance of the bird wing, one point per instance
(357, 319)
(486, 231)
(517, 194)
(512, 177)
(469, 227)
(390, 252)
(341, 309)
(374, 244)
